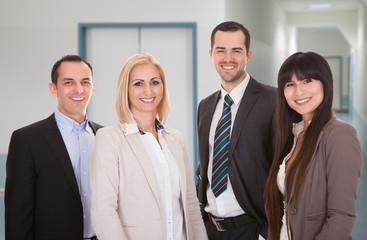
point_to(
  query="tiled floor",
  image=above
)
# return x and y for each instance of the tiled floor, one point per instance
(360, 229)
(2, 237)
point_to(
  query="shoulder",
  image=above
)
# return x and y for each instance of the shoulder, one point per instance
(340, 142)
(111, 130)
(263, 88)
(95, 125)
(174, 134)
(210, 98)
(173, 131)
(37, 126)
(337, 128)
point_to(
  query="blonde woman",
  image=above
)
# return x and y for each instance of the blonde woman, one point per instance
(141, 181)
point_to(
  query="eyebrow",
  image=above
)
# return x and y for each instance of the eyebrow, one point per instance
(235, 48)
(68, 79)
(138, 79)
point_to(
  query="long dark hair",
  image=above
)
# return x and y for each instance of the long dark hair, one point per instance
(304, 66)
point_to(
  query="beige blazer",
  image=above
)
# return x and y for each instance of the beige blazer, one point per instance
(327, 205)
(124, 193)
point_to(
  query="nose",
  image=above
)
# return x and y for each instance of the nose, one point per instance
(299, 90)
(228, 57)
(78, 88)
(147, 89)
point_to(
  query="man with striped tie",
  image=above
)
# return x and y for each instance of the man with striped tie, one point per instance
(236, 129)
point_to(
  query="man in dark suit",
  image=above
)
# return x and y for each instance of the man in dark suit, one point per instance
(236, 141)
(47, 169)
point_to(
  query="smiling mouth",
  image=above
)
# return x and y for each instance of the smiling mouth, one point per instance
(303, 100)
(147, 100)
(228, 67)
(77, 99)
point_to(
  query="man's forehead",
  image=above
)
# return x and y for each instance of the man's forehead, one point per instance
(229, 38)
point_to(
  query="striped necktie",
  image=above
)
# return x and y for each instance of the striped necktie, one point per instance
(221, 149)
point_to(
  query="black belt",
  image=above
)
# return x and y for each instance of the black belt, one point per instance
(228, 223)
(91, 238)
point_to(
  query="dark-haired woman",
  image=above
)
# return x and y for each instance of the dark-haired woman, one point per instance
(312, 185)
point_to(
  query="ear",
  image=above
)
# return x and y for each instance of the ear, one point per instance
(211, 54)
(92, 89)
(249, 55)
(53, 89)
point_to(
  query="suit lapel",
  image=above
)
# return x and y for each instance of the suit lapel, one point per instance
(249, 98)
(144, 160)
(54, 138)
(207, 120)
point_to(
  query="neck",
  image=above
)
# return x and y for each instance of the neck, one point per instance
(306, 124)
(145, 122)
(228, 86)
(77, 118)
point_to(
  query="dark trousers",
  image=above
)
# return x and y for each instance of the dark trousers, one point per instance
(250, 231)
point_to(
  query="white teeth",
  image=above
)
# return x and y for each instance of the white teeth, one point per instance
(229, 67)
(147, 99)
(303, 101)
(77, 99)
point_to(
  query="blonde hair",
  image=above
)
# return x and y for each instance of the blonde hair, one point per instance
(122, 94)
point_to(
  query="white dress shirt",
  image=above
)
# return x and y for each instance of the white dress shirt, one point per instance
(166, 174)
(225, 205)
(297, 129)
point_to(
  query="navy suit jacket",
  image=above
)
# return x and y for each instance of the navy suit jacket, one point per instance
(42, 199)
(251, 151)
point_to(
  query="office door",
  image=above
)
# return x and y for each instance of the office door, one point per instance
(108, 47)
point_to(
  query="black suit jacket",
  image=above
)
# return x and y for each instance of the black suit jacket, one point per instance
(42, 199)
(251, 148)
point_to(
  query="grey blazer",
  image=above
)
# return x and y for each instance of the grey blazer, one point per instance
(327, 206)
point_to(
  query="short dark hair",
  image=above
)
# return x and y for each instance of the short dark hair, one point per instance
(67, 58)
(231, 26)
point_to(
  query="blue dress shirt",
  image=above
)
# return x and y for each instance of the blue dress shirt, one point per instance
(79, 141)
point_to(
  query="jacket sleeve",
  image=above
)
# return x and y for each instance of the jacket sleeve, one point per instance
(104, 184)
(344, 164)
(196, 221)
(19, 190)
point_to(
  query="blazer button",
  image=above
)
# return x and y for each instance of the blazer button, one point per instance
(293, 211)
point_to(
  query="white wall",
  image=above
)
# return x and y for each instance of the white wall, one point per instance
(360, 96)
(35, 34)
(346, 21)
(266, 22)
(353, 25)
(328, 42)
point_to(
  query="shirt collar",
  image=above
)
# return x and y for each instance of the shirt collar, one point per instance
(68, 124)
(132, 128)
(299, 127)
(237, 93)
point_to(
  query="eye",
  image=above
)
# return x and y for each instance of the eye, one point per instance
(68, 82)
(307, 80)
(86, 82)
(156, 82)
(138, 84)
(289, 84)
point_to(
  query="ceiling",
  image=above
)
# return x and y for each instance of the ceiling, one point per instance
(305, 5)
